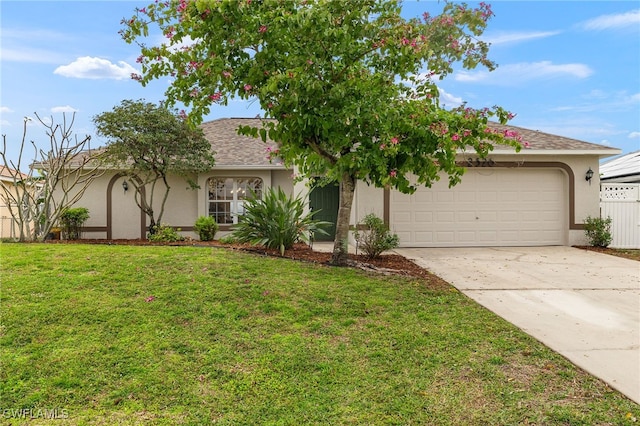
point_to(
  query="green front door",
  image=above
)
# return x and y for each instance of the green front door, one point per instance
(325, 200)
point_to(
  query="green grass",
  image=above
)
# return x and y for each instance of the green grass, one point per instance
(184, 335)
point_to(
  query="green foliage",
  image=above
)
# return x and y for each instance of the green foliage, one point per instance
(165, 234)
(277, 221)
(72, 220)
(598, 231)
(350, 100)
(150, 142)
(206, 228)
(373, 236)
(228, 239)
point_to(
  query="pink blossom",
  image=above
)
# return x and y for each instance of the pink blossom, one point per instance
(405, 41)
(527, 145)
(136, 77)
(394, 141)
(466, 133)
(215, 97)
(247, 87)
(139, 59)
(150, 299)
(455, 137)
(393, 173)
(226, 74)
(383, 146)
(182, 114)
(262, 29)
(270, 105)
(510, 116)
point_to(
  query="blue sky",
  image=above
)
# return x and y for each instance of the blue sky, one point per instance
(569, 68)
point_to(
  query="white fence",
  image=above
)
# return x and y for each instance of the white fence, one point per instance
(621, 202)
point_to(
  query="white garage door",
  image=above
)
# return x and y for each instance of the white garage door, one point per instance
(490, 207)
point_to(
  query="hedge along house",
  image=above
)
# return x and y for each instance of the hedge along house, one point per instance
(539, 196)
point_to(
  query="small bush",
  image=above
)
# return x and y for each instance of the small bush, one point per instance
(277, 221)
(72, 221)
(374, 238)
(228, 239)
(165, 234)
(598, 231)
(206, 228)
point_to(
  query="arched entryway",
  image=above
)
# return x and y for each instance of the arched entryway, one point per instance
(125, 220)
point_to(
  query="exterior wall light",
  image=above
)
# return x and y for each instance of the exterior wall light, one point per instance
(125, 185)
(588, 175)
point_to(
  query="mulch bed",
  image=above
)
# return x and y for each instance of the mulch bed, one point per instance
(627, 254)
(385, 264)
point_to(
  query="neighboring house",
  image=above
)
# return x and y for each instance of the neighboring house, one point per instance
(8, 226)
(625, 168)
(620, 199)
(539, 196)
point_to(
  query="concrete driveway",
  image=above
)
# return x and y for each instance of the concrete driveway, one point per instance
(582, 304)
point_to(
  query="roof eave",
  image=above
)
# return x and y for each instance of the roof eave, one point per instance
(249, 167)
(602, 153)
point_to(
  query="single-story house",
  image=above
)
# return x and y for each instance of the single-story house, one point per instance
(538, 196)
(624, 169)
(8, 226)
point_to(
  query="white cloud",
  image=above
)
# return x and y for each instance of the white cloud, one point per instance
(517, 37)
(96, 68)
(66, 108)
(514, 74)
(31, 55)
(448, 100)
(4, 110)
(598, 100)
(621, 20)
(32, 45)
(634, 135)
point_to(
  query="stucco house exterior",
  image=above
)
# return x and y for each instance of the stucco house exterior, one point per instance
(539, 196)
(8, 226)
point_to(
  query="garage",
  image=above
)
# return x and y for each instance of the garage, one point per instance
(490, 207)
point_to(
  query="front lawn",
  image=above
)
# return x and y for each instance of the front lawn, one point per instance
(183, 335)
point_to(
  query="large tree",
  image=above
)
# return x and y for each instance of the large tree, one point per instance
(351, 84)
(149, 143)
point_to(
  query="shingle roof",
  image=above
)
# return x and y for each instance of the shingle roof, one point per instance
(233, 150)
(540, 141)
(9, 173)
(624, 166)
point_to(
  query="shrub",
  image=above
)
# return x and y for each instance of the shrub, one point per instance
(598, 231)
(374, 237)
(165, 234)
(228, 239)
(72, 221)
(277, 221)
(206, 228)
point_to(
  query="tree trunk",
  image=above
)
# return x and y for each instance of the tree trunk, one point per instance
(341, 242)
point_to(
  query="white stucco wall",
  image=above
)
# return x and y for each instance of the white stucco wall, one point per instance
(586, 199)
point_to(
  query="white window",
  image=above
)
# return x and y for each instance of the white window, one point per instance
(227, 196)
